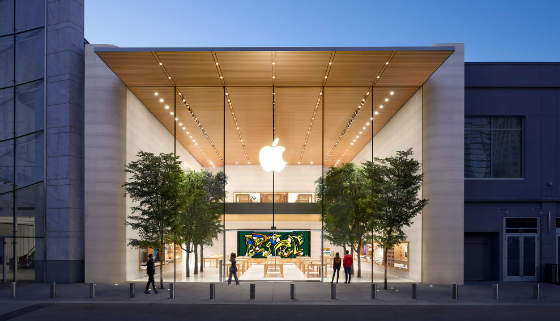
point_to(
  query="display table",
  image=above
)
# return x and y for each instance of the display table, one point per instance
(273, 265)
(215, 258)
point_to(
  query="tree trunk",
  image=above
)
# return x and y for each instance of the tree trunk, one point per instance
(196, 259)
(359, 260)
(201, 257)
(188, 271)
(161, 260)
(352, 255)
(385, 264)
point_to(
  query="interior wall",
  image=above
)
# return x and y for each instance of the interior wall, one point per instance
(402, 132)
(145, 133)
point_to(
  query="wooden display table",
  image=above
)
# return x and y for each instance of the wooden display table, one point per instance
(310, 265)
(272, 265)
(215, 258)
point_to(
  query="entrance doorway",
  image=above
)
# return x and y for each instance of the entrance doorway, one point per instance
(521, 249)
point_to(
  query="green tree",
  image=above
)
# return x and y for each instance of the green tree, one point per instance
(342, 199)
(211, 225)
(155, 186)
(394, 184)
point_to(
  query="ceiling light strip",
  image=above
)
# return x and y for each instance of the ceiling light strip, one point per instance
(230, 105)
(316, 109)
(357, 111)
(191, 112)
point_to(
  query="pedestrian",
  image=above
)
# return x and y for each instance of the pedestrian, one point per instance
(151, 271)
(336, 267)
(233, 269)
(347, 267)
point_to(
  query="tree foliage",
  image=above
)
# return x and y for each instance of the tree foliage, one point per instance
(154, 184)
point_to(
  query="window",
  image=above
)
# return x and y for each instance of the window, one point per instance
(6, 113)
(521, 225)
(6, 166)
(29, 108)
(7, 17)
(29, 56)
(30, 14)
(29, 159)
(6, 61)
(493, 147)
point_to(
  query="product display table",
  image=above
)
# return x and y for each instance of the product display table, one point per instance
(273, 266)
(215, 258)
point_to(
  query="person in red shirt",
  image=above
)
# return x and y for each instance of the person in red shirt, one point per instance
(347, 263)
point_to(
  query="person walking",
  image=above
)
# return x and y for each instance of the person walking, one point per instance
(233, 269)
(336, 267)
(347, 267)
(151, 271)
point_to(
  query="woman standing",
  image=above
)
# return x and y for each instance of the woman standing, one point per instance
(336, 267)
(233, 269)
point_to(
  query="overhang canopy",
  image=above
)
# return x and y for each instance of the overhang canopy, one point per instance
(233, 96)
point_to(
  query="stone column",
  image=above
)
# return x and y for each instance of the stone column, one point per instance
(65, 141)
(105, 150)
(443, 166)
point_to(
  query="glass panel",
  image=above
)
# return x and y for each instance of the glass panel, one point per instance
(6, 228)
(477, 153)
(30, 14)
(6, 166)
(506, 122)
(529, 255)
(6, 113)
(513, 256)
(506, 154)
(6, 61)
(30, 211)
(477, 122)
(7, 17)
(29, 159)
(30, 56)
(29, 108)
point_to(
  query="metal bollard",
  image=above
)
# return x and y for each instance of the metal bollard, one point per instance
(495, 291)
(414, 288)
(374, 291)
(92, 290)
(132, 290)
(252, 291)
(14, 288)
(172, 290)
(536, 292)
(220, 271)
(333, 291)
(455, 291)
(53, 290)
(292, 291)
(212, 291)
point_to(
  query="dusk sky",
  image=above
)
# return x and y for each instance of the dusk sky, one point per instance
(492, 30)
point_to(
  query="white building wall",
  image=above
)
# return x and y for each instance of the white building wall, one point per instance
(403, 131)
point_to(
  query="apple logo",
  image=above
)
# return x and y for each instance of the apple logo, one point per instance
(271, 157)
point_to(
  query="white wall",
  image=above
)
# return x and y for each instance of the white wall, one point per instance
(117, 126)
(403, 131)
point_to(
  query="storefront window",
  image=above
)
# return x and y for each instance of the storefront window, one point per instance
(7, 17)
(30, 14)
(29, 108)
(6, 113)
(7, 59)
(29, 159)
(30, 56)
(6, 166)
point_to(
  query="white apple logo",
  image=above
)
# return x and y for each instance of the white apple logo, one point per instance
(271, 157)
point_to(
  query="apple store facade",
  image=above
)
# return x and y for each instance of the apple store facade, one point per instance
(274, 120)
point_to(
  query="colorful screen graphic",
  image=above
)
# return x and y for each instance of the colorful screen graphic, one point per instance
(260, 244)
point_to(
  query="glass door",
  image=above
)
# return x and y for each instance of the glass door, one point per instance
(521, 258)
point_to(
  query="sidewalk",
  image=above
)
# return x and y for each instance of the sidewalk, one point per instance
(278, 293)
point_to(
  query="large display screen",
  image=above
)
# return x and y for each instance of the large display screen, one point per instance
(260, 244)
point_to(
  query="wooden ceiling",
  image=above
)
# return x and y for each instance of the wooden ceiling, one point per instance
(274, 87)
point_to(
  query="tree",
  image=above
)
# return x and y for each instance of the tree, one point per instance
(394, 184)
(346, 219)
(155, 185)
(214, 186)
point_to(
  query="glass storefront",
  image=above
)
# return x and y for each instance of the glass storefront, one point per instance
(22, 152)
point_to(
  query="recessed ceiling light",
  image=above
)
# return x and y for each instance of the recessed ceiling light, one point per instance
(180, 124)
(217, 64)
(364, 128)
(221, 77)
(184, 128)
(171, 113)
(377, 77)
(386, 99)
(187, 133)
(381, 106)
(351, 143)
(371, 118)
(156, 93)
(161, 100)
(330, 62)
(387, 63)
(360, 133)
(168, 77)
(166, 107)
(273, 77)
(325, 77)
(376, 113)
(274, 63)
(311, 163)
(176, 118)
(367, 124)
(392, 93)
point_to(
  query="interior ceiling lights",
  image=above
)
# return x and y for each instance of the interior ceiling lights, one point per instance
(370, 90)
(319, 100)
(191, 112)
(230, 105)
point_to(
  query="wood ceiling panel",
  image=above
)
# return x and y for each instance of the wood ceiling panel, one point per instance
(191, 68)
(412, 68)
(246, 68)
(295, 110)
(278, 217)
(135, 68)
(356, 68)
(300, 68)
(207, 104)
(253, 111)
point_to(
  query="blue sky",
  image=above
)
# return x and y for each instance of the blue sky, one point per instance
(492, 30)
